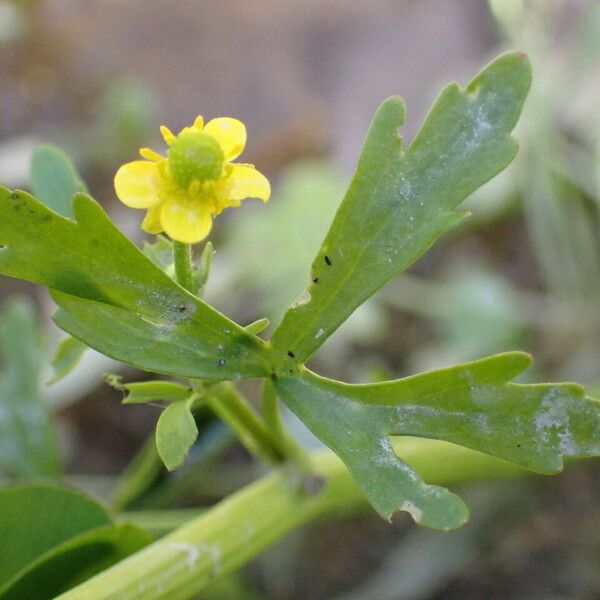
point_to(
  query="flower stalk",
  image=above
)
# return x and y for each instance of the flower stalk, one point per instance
(184, 269)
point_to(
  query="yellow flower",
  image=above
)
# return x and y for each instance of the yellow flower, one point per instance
(183, 191)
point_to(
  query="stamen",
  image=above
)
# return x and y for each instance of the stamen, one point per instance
(167, 134)
(149, 154)
(199, 122)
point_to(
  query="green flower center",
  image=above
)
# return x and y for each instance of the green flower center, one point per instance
(194, 156)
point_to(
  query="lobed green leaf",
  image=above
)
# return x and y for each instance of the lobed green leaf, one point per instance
(401, 201)
(472, 405)
(115, 299)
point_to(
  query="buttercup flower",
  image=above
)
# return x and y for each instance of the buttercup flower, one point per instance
(183, 191)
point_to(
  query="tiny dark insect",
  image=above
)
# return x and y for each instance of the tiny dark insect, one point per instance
(221, 362)
(316, 280)
(291, 354)
(181, 307)
(328, 261)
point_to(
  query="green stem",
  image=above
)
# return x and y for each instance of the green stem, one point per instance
(225, 401)
(184, 272)
(139, 476)
(270, 408)
(184, 562)
(284, 442)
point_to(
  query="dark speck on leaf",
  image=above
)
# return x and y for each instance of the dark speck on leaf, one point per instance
(181, 308)
(316, 280)
(273, 376)
(291, 354)
(328, 261)
(313, 484)
(221, 362)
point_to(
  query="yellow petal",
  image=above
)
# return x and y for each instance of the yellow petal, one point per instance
(230, 133)
(243, 181)
(185, 220)
(135, 184)
(151, 222)
(198, 123)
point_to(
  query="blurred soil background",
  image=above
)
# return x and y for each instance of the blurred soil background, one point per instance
(99, 77)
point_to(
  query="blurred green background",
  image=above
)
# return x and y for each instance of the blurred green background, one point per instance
(98, 78)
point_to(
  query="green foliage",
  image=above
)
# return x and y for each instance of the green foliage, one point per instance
(401, 201)
(472, 405)
(160, 252)
(26, 536)
(27, 439)
(124, 304)
(114, 298)
(176, 432)
(74, 561)
(202, 270)
(150, 391)
(53, 538)
(54, 179)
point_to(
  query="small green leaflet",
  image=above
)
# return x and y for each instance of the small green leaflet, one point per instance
(154, 391)
(115, 299)
(471, 405)
(54, 179)
(202, 268)
(176, 432)
(401, 201)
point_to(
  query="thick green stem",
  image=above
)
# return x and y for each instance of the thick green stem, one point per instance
(184, 271)
(182, 563)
